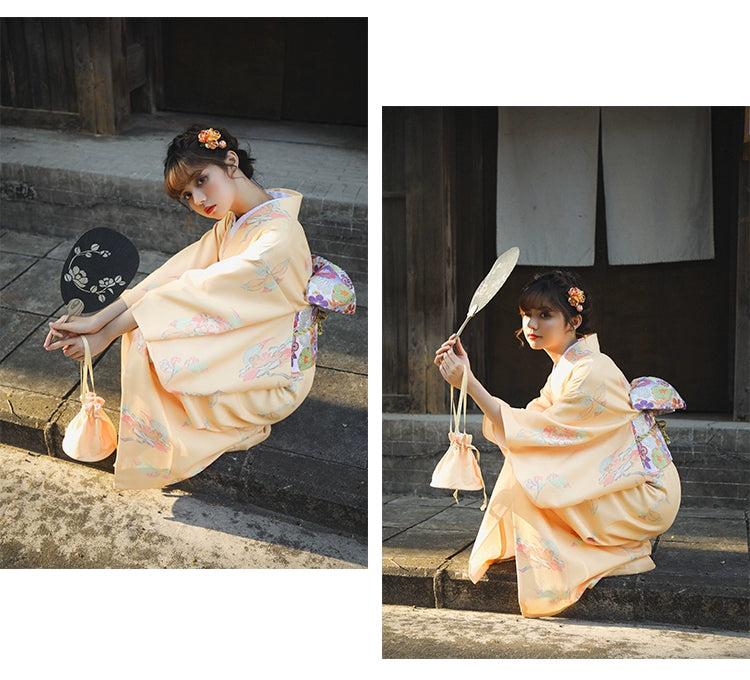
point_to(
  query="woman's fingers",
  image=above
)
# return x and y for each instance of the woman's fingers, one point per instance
(460, 348)
(74, 351)
(447, 345)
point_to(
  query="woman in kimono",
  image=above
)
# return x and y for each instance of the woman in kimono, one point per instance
(219, 343)
(587, 479)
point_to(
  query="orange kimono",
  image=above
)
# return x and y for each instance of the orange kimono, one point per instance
(215, 360)
(587, 481)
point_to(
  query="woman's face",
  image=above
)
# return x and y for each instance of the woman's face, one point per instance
(547, 329)
(211, 193)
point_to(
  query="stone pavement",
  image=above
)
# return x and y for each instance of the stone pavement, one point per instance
(59, 515)
(55, 186)
(701, 577)
(416, 633)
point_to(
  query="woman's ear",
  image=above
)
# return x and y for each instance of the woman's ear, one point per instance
(232, 160)
(576, 321)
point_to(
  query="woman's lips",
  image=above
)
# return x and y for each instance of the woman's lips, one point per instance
(531, 336)
(209, 209)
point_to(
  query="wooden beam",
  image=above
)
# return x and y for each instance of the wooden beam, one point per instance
(101, 75)
(48, 120)
(742, 330)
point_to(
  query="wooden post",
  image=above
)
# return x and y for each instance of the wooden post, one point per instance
(101, 75)
(418, 255)
(742, 330)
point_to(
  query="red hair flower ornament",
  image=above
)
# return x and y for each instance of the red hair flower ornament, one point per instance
(576, 298)
(211, 139)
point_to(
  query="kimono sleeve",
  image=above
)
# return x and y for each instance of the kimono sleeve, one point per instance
(581, 446)
(228, 327)
(542, 402)
(200, 254)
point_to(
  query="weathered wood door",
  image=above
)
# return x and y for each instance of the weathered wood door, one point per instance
(76, 73)
(302, 69)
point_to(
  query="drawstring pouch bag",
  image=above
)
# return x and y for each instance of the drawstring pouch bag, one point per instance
(459, 468)
(90, 436)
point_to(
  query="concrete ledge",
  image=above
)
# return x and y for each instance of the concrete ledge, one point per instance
(62, 183)
(712, 457)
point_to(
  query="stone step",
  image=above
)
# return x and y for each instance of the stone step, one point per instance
(63, 183)
(701, 575)
(711, 455)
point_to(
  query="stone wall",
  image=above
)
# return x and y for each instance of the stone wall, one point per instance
(712, 457)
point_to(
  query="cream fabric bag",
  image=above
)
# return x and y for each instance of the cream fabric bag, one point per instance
(90, 436)
(459, 467)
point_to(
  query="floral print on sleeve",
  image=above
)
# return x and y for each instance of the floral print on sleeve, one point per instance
(201, 324)
(263, 360)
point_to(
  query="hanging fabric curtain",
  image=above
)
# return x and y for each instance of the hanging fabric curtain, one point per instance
(546, 184)
(657, 184)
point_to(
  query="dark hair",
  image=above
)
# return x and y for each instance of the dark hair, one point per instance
(187, 157)
(550, 291)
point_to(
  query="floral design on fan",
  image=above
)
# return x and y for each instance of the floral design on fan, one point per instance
(79, 278)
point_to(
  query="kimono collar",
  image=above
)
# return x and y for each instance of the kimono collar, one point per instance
(284, 201)
(584, 347)
(277, 196)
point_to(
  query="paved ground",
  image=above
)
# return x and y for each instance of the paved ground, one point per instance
(57, 515)
(701, 576)
(416, 633)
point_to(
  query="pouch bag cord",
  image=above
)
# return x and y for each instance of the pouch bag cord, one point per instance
(90, 436)
(459, 467)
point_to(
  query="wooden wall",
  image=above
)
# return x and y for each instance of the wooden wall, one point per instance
(311, 69)
(92, 74)
(438, 191)
(418, 254)
(72, 73)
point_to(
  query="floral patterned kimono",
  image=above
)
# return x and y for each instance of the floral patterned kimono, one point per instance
(217, 357)
(587, 480)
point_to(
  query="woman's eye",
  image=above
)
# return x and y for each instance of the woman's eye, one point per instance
(200, 180)
(186, 195)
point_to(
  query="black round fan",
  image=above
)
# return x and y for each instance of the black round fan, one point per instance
(99, 267)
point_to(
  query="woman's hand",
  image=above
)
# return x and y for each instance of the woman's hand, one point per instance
(100, 330)
(85, 325)
(72, 345)
(75, 325)
(452, 364)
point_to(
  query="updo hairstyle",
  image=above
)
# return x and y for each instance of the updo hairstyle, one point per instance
(550, 291)
(187, 157)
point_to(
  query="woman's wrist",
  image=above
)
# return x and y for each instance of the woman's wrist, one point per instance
(110, 312)
(487, 403)
(121, 324)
